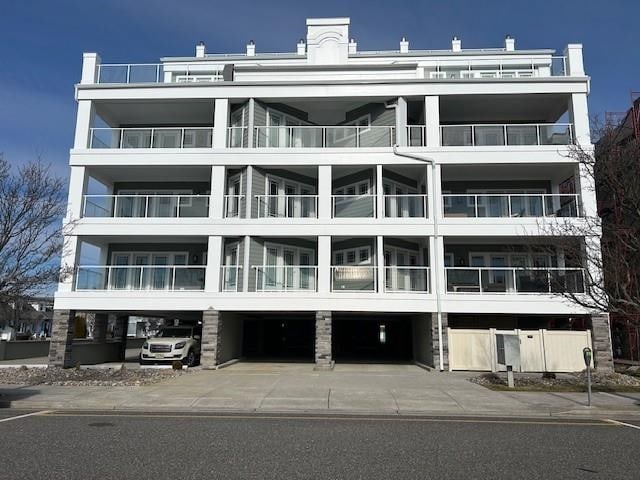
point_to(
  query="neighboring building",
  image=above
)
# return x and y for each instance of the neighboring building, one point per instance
(26, 319)
(621, 143)
(261, 195)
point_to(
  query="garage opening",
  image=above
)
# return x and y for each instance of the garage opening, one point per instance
(279, 337)
(372, 339)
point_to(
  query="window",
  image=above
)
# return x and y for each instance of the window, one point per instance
(353, 256)
(364, 255)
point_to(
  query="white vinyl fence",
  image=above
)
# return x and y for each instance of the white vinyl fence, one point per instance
(526, 350)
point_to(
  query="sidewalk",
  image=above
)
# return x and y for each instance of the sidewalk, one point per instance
(373, 389)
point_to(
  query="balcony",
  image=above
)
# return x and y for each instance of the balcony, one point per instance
(550, 66)
(234, 206)
(158, 73)
(354, 278)
(286, 278)
(231, 278)
(287, 206)
(405, 206)
(145, 206)
(307, 136)
(406, 279)
(165, 277)
(490, 280)
(510, 205)
(151, 137)
(506, 134)
(354, 206)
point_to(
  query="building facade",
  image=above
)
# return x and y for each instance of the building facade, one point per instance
(329, 204)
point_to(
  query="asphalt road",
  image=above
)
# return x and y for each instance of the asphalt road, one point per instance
(112, 445)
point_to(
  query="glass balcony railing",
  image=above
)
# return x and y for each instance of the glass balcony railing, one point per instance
(143, 277)
(407, 279)
(158, 73)
(354, 206)
(234, 206)
(146, 206)
(511, 205)
(151, 137)
(231, 278)
(354, 278)
(287, 206)
(514, 280)
(237, 137)
(405, 206)
(309, 136)
(506, 134)
(456, 69)
(286, 278)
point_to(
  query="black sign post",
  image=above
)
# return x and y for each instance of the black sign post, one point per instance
(586, 353)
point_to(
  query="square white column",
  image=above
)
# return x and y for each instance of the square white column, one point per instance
(90, 63)
(251, 122)
(68, 262)
(77, 188)
(248, 199)
(325, 202)
(214, 258)
(579, 114)
(324, 264)
(220, 122)
(380, 263)
(401, 122)
(432, 120)
(246, 263)
(84, 121)
(379, 193)
(218, 181)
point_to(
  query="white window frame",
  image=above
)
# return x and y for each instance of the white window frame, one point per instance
(356, 252)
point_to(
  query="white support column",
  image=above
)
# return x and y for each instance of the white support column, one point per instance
(84, 121)
(325, 203)
(579, 114)
(324, 264)
(220, 122)
(436, 254)
(68, 261)
(90, 62)
(246, 263)
(251, 122)
(249, 193)
(575, 64)
(214, 257)
(585, 186)
(432, 263)
(379, 192)
(431, 196)
(77, 188)
(380, 263)
(401, 122)
(436, 197)
(218, 183)
(432, 120)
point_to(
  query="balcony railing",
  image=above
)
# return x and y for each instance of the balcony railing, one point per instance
(354, 206)
(309, 136)
(237, 137)
(490, 280)
(511, 205)
(234, 206)
(155, 73)
(147, 277)
(286, 278)
(231, 278)
(288, 206)
(407, 279)
(354, 278)
(554, 66)
(506, 134)
(416, 135)
(152, 137)
(146, 206)
(408, 205)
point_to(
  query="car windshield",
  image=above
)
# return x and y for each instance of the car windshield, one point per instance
(174, 332)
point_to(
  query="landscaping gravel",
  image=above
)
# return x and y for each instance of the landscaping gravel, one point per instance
(608, 381)
(86, 376)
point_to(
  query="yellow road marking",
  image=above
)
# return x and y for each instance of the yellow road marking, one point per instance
(602, 423)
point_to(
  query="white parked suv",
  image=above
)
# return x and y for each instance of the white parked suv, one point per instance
(172, 344)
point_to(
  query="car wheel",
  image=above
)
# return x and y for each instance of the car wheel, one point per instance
(191, 359)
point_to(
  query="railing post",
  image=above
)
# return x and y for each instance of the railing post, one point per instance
(480, 279)
(141, 275)
(128, 72)
(475, 204)
(173, 277)
(115, 206)
(146, 206)
(549, 280)
(158, 73)
(538, 134)
(544, 206)
(473, 135)
(515, 280)
(108, 286)
(505, 139)
(509, 213)
(121, 138)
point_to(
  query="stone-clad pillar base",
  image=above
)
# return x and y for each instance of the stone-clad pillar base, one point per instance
(62, 333)
(601, 337)
(435, 341)
(324, 360)
(211, 339)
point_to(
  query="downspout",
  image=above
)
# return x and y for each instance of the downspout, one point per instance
(436, 261)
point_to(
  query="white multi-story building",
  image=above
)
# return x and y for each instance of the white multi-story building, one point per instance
(328, 203)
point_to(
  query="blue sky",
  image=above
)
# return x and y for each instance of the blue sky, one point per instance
(41, 44)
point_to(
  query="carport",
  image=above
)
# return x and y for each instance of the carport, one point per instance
(372, 338)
